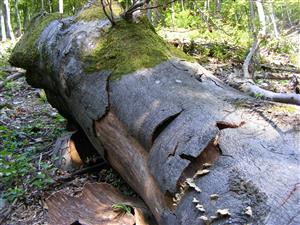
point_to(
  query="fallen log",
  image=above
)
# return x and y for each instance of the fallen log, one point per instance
(139, 103)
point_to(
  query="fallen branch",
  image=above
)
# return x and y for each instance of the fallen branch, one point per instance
(5, 213)
(254, 90)
(12, 77)
(96, 167)
(274, 68)
(273, 77)
(11, 69)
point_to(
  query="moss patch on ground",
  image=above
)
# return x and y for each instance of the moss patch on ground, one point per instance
(96, 11)
(284, 108)
(25, 53)
(129, 46)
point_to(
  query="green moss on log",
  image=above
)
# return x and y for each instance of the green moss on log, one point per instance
(128, 47)
(96, 12)
(25, 53)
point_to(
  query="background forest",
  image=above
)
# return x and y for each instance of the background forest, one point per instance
(217, 33)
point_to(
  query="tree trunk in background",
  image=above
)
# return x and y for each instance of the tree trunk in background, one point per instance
(173, 15)
(149, 12)
(2, 24)
(161, 128)
(218, 6)
(156, 12)
(50, 5)
(7, 20)
(60, 6)
(273, 19)
(18, 19)
(256, 37)
(25, 17)
(42, 5)
(288, 13)
(252, 18)
(182, 5)
(261, 16)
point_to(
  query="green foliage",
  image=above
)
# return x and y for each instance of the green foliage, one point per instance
(18, 169)
(122, 208)
(280, 45)
(182, 19)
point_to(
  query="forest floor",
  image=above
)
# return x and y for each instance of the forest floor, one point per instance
(29, 127)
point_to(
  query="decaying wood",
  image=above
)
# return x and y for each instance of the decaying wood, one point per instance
(160, 128)
(72, 151)
(95, 206)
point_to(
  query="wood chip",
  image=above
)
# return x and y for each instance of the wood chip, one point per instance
(223, 212)
(195, 200)
(206, 165)
(204, 218)
(192, 184)
(248, 211)
(214, 197)
(202, 172)
(213, 217)
(200, 208)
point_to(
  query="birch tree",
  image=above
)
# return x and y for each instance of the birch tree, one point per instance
(60, 6)
(2, 24)
(7, 20)
(273, 19)
(17, 16)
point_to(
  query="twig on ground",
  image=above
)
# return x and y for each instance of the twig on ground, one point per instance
(71, 176)
(5, 214)
(11, 78)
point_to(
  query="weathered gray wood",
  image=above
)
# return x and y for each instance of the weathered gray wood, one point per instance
(158, 126)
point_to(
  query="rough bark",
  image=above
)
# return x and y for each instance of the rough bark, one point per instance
(159, 125)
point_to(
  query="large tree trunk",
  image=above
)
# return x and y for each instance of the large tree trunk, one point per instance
(157, 125)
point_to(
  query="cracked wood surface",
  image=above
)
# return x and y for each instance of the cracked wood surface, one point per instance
(158, 126)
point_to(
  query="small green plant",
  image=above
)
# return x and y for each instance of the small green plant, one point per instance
(122, 208)
(16, 167)
(43, 96)
(258, 95)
